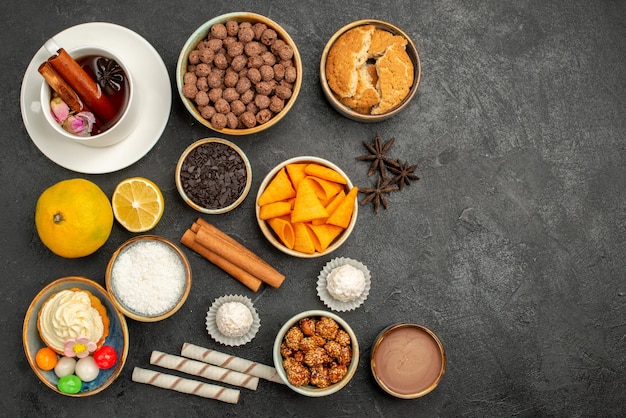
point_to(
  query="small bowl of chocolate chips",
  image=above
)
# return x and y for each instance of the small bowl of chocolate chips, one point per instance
(213, 176)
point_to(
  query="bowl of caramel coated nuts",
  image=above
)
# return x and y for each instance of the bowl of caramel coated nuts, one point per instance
(239, 73)
(316, 353)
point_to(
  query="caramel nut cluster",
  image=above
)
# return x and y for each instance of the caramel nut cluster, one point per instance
(316, 351)
(241, 75)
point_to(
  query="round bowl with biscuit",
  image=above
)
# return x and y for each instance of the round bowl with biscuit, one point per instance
(306, 207)
(239, 73)
(370, 70)
(148, 278)
(82, 310)
(316, 353)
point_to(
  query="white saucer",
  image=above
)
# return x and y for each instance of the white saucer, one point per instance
(152, 92)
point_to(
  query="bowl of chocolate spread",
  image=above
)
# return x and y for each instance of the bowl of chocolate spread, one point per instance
(408, 360)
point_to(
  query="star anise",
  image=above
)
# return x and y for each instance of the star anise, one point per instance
(110, 75)
(377, 194)
(377, 155)
(403, 174)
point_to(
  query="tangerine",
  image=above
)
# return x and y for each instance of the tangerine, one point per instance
(73, 218)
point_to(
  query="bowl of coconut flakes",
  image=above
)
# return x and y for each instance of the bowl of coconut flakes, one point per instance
(148, 278)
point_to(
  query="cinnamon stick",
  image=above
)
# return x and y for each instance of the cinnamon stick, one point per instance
(58, 84)
(189, 240)
(87, 89)
(239, 255)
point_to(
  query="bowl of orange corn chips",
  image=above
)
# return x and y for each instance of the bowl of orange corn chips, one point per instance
(306, 207)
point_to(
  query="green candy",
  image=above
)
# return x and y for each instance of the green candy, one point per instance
(70, 384)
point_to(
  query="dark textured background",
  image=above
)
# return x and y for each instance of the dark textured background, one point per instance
(511, 246)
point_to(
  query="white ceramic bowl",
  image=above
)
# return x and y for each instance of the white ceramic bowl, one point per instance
(117, 338)
(271, 236)
(310, 390)
(201, 33)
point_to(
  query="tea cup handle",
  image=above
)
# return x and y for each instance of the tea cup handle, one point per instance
(51, 46)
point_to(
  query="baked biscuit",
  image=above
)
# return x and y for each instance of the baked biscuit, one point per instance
(369, 70)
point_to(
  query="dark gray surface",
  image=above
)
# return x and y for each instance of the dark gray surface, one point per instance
(510, 247)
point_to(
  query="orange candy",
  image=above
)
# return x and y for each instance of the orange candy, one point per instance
(46, 358)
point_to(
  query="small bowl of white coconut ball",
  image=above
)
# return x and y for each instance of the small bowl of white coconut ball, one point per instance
(232, 320)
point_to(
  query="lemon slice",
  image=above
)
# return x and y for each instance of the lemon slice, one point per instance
(137, 204)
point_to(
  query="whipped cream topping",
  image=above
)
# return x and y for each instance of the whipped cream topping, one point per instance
(345, 283)
(233, 319)
(69, 314)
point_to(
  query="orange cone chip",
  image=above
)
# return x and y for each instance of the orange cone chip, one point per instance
(303, 239)
(325, 234)
(343, 213)
(275, 209)
(325, 173)
(283, 228)
(325, 189)
(330, 207)
(279, 188)
(307, 206)
(296, 173)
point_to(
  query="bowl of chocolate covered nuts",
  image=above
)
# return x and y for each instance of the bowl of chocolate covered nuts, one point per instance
(316, 353)
(239, 73)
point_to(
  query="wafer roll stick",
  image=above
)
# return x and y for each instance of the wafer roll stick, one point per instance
(230, 362)
(189, 240)
(208, 371)
(192, 387)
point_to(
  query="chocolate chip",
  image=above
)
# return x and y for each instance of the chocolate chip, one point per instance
(213, 175)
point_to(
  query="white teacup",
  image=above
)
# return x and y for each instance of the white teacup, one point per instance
(127, 120)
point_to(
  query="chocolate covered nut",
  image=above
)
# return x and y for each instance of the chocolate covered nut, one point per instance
(219, 31)
(230, 94)
(207, 55)
(215, 94)
(239, 63)
(215, 44)
(237, 107)
(291, 74)
(268, 58)
(235, 49)
(232, 27)
(267, 72)
(253, 108)
(207, 112)
(248, 119)
(283, 92)
(268, 36)
(262, 101)
(190, 91)
(247, 96)
(243, 85)
(258, 29)
(276, 104)
(231, 78)
(190, 78)
(279, 72)
(285, 52)
(264, 87)
(245, 34)
(252, 48)
(203, 69)
(276, 45)
(254, 75)
(202, 83)
(202, 98)
(255, 62)
(214, 79)
(194, 57)
(263, 116)
(220, 61)
(231, 120)
(222, 106)
(219, 121)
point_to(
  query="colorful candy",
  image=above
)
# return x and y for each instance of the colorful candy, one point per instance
(70, 384)
(105, 357)
(65, 366)
(86, 369)
(46, 358)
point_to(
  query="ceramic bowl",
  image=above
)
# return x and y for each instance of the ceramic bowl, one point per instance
(310, 390)
(346, 111)
(117, 338)
(417, 351)
(271, 235)
(195, 202)
(120, 287)
(201, 34)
